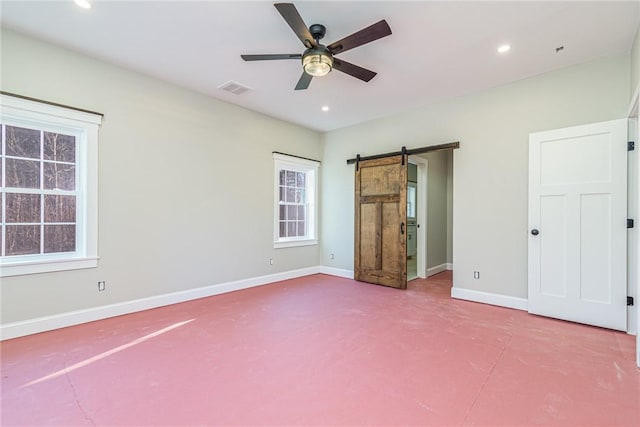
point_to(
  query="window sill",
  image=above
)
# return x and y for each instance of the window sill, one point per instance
(294, 243)
(8, 269)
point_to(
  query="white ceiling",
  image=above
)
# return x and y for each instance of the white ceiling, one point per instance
(438, 49)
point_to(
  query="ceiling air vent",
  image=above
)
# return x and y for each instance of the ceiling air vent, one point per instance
(235, 87)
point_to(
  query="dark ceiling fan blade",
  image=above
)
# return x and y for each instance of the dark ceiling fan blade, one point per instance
(304, 81)
(366, 35)
(270, 57)
(293, 18)
(353, 70)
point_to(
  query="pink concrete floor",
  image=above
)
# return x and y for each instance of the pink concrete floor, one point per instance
(322, 350)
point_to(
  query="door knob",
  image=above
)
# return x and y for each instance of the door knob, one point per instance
(535, 232)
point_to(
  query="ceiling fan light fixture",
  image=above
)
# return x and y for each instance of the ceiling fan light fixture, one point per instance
(317, 62)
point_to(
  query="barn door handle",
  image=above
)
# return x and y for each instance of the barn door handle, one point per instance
(402, 228)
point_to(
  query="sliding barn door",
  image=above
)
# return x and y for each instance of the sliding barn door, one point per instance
(380, 222)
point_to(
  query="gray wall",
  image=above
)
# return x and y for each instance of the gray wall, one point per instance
(489, 170)
(174, 212)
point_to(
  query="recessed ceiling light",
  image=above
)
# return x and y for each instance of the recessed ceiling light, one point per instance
(325, 108)
(83, 4)
(504, 48)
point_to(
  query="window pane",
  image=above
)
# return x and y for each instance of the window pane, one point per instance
(291, 229)
(23, 142)
(59, 147)
(22, 173)
(23, 207)
(291, 195)
(411, 202)
(59, 176)
(291, 178)
(59, 238)
(22, 239)
(294, 223)
(292, 212)
(59, 208)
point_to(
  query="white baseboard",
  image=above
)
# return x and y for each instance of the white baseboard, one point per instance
(449, 266)
(63, 320)
(437, 269)
(490, 298)
(47, 323)
(340, 272)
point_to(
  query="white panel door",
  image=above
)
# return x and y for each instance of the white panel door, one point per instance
(577, 224)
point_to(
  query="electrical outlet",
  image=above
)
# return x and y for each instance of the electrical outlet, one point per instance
(476, 274)
(102, 285)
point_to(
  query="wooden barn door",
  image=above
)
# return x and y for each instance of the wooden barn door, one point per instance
(381, 221)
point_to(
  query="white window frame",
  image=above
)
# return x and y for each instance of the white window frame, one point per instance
(310, 168)
(15, 111)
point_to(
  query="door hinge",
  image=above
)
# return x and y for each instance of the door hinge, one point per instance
(630, 223)
(629, 300)
(631, 145)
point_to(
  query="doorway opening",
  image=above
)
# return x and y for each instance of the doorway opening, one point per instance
(412, 220)
(430, 228)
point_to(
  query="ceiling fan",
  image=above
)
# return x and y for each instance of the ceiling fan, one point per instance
(318, 60)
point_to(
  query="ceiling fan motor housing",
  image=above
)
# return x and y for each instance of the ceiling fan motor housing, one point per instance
(317, 31)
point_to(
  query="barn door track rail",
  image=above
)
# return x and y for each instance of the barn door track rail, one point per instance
(404, 151)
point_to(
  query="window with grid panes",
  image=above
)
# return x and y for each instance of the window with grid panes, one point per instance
(48, 201)
(295, 201)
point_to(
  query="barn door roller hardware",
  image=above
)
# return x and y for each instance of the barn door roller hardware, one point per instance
(404, 152)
